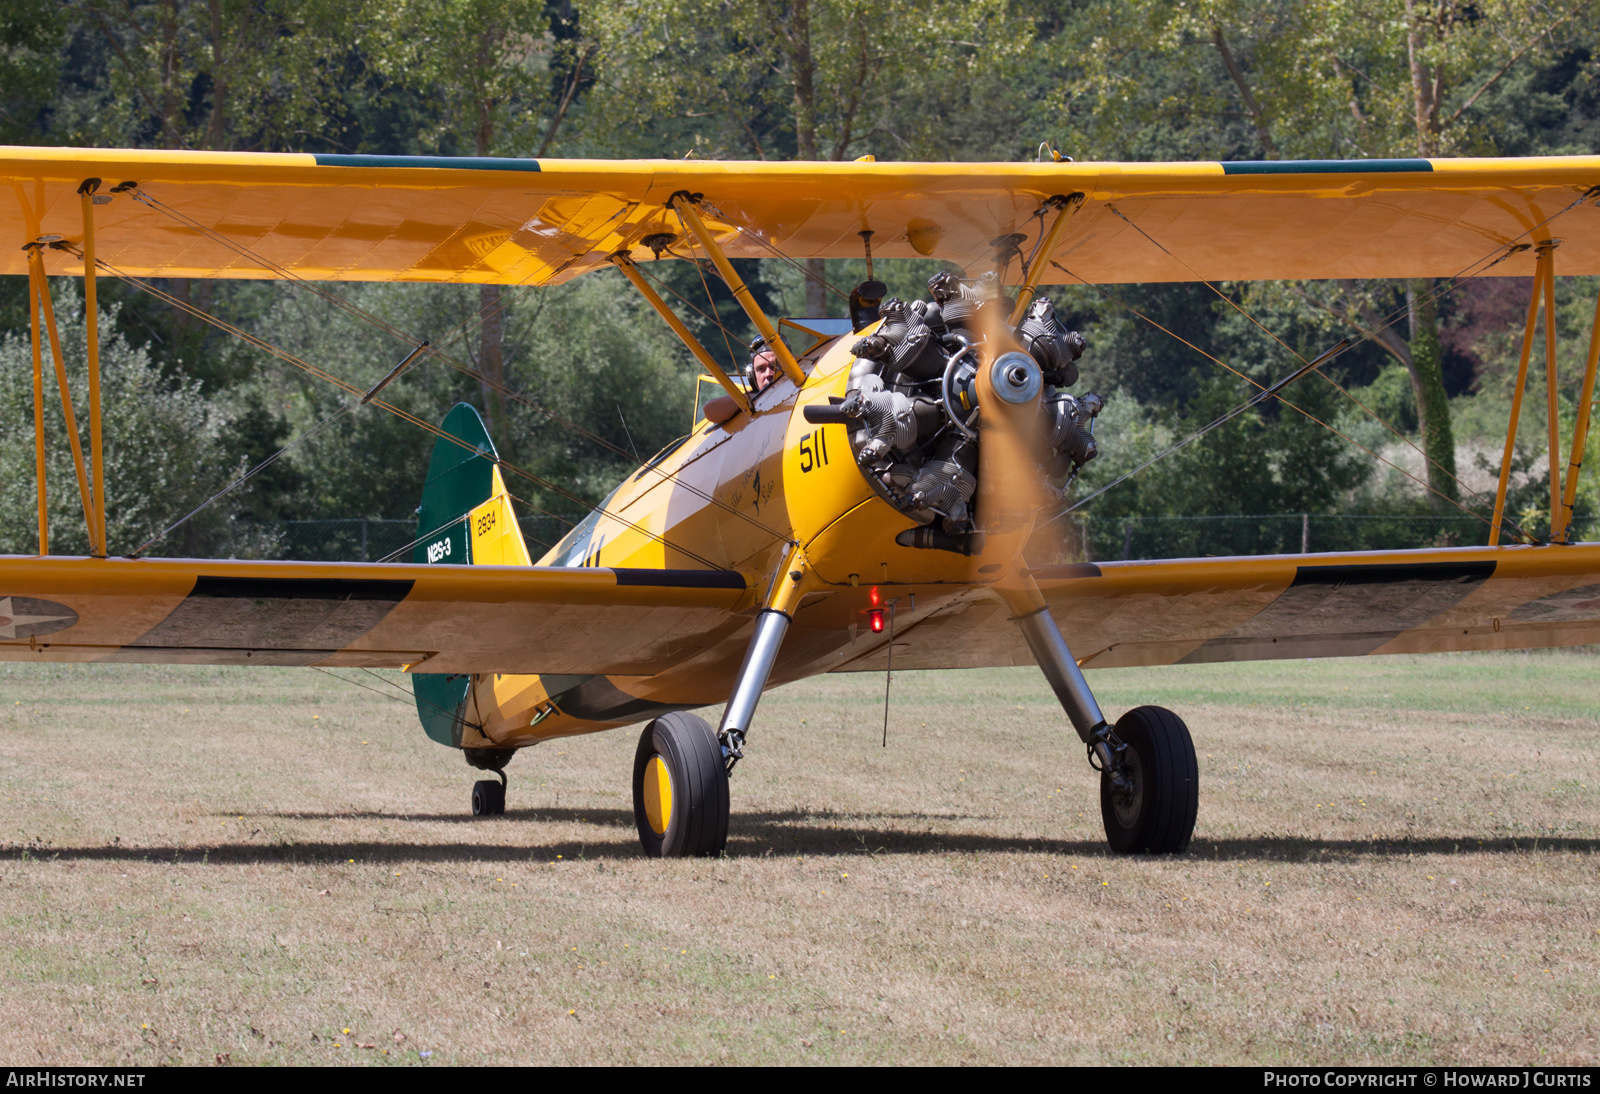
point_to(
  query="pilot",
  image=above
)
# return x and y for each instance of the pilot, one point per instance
(763, 366)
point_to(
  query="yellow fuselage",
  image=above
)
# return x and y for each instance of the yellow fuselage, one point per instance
(768, 495)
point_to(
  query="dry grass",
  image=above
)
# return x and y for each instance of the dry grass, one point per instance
(1395, 863)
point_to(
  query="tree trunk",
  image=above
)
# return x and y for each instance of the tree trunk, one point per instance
(802, 73)
(491, 305)
(1425, 86)
(1427, 356)
(491, 358)
(1258, 117)
(1427, 385)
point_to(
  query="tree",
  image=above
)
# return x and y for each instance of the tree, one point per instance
(165, 449)
(779, 79)
(30, 36)
(214, 74)
(1353, 78)
(509, 83)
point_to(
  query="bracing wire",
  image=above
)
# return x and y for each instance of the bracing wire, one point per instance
(407, 692)
(1259, 397)
(776, 253)
(459, 331)
(393, 698)
(1292, 406)
(432, 532)
(711, 300)
(246, 477)
(643, 466)
(1435, 293)
(350, 389)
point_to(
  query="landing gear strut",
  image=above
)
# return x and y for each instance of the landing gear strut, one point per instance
(771, 626)
(1149, 777)
(489, 796)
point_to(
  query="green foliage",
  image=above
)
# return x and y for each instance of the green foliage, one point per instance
(1391, 398)
(487, 63)
(221, 74)
(166, 449)
(30, 38)
(804, 79)
(833, 79)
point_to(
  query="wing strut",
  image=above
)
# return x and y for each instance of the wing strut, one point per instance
(684, 207)
(38, 405)
(685, 335)
(1547, 254)
(41, 294)
(1065, 207)
(91, 320)
(1543, 283)
(1580, 428)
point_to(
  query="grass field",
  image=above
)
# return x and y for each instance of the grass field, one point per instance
(1395, 862)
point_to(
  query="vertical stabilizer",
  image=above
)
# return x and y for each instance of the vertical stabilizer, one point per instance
(465, 517)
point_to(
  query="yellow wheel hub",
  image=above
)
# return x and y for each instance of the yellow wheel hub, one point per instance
(657, 795)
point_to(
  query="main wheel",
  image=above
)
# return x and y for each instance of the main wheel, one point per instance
(488, 798)
(1158, 817)
(680, 788)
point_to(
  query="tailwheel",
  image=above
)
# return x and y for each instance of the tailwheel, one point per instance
(680, 788)
(489, 797)
(1156, 816)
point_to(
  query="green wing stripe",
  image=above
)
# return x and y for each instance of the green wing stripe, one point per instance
(452, 163)
(1324, 167)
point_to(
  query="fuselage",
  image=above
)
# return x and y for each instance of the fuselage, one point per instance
(741, 496)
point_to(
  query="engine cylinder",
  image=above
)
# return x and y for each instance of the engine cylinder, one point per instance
(913, 439)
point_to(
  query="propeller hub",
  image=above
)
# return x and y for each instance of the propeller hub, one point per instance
(1016, 377)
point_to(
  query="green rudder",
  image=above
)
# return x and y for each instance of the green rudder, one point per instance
(460, 478)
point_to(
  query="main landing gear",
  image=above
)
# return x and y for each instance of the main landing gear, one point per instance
(1149, 777)
(680, 773)
(489, 796)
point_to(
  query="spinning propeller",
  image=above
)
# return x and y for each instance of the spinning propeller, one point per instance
(1012, 444)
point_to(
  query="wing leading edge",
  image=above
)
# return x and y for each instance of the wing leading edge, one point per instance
(591, 621)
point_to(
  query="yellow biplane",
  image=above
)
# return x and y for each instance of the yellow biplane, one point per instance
(871, 506)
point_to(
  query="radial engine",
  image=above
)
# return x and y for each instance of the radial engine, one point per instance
(912, 411)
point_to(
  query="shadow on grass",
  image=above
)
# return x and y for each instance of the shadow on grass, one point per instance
(756, 835)
(623, 817)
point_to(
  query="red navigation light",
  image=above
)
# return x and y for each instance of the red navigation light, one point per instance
(875, 616)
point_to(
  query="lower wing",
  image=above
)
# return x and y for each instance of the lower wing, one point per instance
(594, 621)
(442, 619)
(1195, 611)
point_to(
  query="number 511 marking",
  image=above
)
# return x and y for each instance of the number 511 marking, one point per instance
(813, 450)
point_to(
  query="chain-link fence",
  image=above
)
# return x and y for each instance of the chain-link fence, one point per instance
(1108, 538)
(1113, 538)
(370, 539)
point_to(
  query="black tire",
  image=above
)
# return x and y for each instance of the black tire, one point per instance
(488, 798)
(687, 754)
(1160, 817)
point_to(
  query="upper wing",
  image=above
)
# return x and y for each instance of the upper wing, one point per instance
(1193, 611)
(443, 619)
(411, 218)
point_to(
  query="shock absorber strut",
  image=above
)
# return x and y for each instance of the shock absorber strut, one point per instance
(1061, 669)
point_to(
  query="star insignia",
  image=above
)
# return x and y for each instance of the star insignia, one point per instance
(27, 614)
